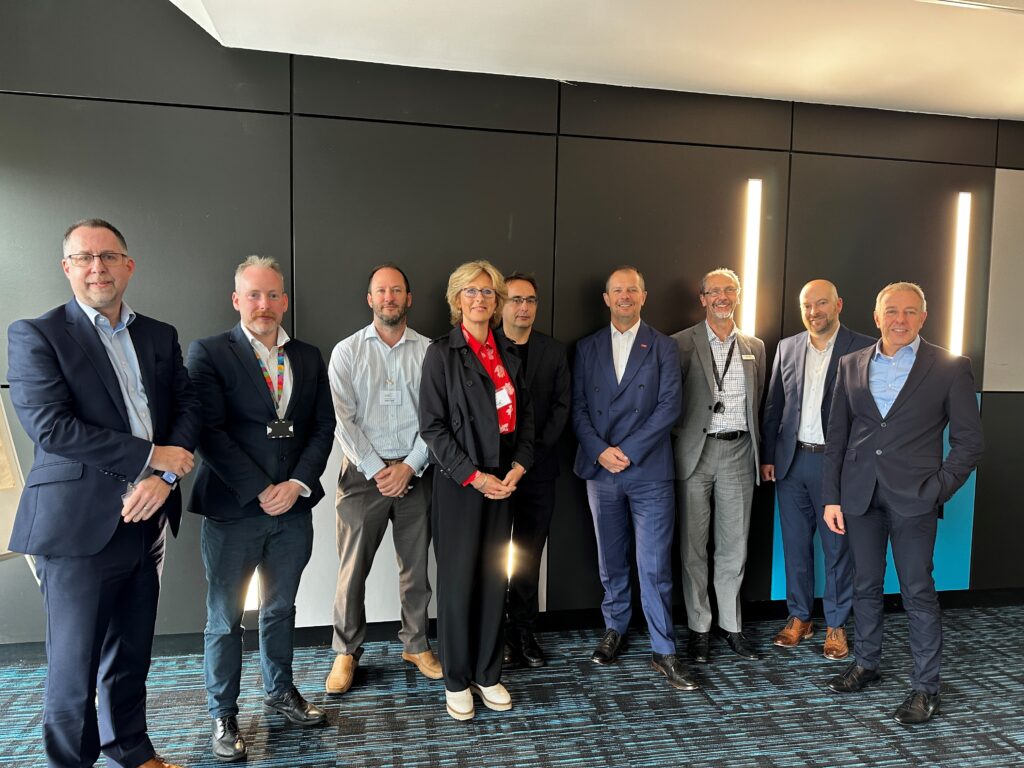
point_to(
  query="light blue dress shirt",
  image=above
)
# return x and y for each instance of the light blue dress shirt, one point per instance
(887, 375)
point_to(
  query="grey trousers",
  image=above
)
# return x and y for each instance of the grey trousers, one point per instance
(363, 516)
(726, 471)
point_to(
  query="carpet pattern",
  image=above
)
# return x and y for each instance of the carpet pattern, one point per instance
(772, 712)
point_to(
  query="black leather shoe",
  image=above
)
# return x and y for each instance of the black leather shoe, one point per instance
(608, 650)
(920, 707)
(295, 708)
(532, 655)
(699, 647)
(853, 679)
(671, 667)
(228, 745)
(509, 654)
(740, 645)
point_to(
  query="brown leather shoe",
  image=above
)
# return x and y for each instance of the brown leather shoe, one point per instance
(158, 762)
(340, 679)
(426, 663)
(794, 631)
(836, 645)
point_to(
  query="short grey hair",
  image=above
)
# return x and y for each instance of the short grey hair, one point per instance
(901, 286)
(266, 262)
(724, 272)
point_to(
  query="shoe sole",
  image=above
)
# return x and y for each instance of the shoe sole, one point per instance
(429, 675)
(231, 759)
(302, 723)
(460, 716)
(673, 683)
(535, 664)
(799, 640)
(336, 690)
(833, 657)
(503, 706)
(918, 722)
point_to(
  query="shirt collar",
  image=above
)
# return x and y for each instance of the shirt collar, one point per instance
(712, 336)
(631, 331)
(901, 352)
(828, 344)
(126, 319)
(475, 345)
(370, 332)
(282, 337)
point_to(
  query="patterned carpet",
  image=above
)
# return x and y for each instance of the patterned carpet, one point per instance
(772, 712)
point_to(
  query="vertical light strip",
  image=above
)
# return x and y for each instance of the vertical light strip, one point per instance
(252, 597)
(963, 232)
(751, 256)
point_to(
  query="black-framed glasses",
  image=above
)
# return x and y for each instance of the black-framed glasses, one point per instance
(472, 293)
(109, 258)
(716, 292)
(520, 300)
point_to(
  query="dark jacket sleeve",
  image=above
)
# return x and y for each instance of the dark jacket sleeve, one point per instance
(188, 411)
(591, 443)
(839, 420)
(439, 424)
(313, 460)
(966, 441)
(558, 408)
(773, 408)
(525, 426)
(639, 444)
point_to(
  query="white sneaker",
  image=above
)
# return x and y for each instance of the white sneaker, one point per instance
(460, 704)
(493, 696)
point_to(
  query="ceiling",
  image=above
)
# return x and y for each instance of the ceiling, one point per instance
(914, 55)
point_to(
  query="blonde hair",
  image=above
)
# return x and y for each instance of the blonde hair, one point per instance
(263, 262)
(465, 274)
(901, 286)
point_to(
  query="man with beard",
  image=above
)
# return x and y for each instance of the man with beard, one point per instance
(792, 448)
(716, 453)
(375, 381)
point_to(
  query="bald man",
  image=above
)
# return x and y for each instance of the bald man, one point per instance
(792, 450)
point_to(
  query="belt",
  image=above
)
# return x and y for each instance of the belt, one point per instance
(726, 435)
(812, 447)
(392, 462)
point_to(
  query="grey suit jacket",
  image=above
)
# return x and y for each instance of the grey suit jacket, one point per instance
(699, 395)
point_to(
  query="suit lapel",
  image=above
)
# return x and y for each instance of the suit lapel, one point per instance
(747, 359)
(864, 378)
(843, 340)
(251, 367)
(147, 365)
(801, 365)
(703, 347)
(918, 371)
(607, 357)
(81, 330)
(641, 347)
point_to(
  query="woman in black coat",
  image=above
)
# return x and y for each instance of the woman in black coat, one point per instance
(476, 418)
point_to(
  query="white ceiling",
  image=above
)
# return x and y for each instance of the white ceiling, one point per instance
(893, 54)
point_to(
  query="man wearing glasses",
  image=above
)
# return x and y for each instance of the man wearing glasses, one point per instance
(547, 379)
(103, 394)
(716, 450)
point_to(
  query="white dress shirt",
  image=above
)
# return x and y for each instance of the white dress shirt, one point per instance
(815, 367)
(734, 396)
(622, 345)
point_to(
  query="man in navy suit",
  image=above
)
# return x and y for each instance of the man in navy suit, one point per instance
(793, 433)
(625, 399)
(268, 424)
(103, 394)
(885, 480)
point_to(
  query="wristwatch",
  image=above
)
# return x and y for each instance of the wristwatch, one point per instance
(168, 477)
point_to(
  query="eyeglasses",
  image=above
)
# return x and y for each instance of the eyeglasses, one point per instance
(472, 293)
(716, 292)
(520, 300)
(109, 258)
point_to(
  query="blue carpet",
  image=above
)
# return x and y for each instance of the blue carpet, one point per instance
(772, 712)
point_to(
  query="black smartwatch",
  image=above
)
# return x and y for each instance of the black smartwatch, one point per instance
(168, 477)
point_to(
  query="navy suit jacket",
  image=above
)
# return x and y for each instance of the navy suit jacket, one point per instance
(238, 459)
(902, 452)
(635, 414)
(68, 400)
(780, 425)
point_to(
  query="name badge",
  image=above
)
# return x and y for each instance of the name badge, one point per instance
(502, 399)
(279, 428)
(748, 357)
(391, 397)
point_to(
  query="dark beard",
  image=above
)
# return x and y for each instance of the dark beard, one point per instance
(391, 322)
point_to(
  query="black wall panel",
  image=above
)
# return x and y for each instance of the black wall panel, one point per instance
(588, 109)
(1011, 144)
(409, 95)
(139, 50)
(902, 135)
(998, 541)
(863, 223)
(427, 198)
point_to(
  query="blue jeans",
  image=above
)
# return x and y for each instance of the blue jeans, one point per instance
(232, 549)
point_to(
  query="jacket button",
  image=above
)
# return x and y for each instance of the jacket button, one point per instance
(641, 386)
(636, 410)
(597, 389)
(883, 424)
(469, 383)
(709, 407)
(878, 452)
(704, 431)
(600, 413)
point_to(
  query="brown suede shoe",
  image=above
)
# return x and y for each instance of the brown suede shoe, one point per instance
(340, 679)
(795, 631)
(426, 663)
(836, 645)
(158, 762)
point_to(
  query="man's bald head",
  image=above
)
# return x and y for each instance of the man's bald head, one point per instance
(820, 306)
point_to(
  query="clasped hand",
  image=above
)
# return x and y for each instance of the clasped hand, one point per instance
(493, 488)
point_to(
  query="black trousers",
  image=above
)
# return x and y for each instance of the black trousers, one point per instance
(532, 506)
(471, 536)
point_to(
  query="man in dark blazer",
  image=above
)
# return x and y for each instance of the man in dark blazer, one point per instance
(268, 424)
(885, 480)
(625, 399)
(793, 435)
(716, 447)
(104, 396)
(547, 378)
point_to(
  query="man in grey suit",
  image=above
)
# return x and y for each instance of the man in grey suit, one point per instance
(885, 480)
(716, 453)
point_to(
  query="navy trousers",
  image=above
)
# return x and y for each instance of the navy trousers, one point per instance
(801, 513)
(626, 511)
(100, 614)
(913, 546)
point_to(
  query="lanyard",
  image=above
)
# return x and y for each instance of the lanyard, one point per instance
(279, 392)
(720, 379)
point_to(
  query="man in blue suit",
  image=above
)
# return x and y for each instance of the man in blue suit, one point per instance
(103, 394)
(625, 399)
(793, 433)
(885, 481)
(268, 425)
